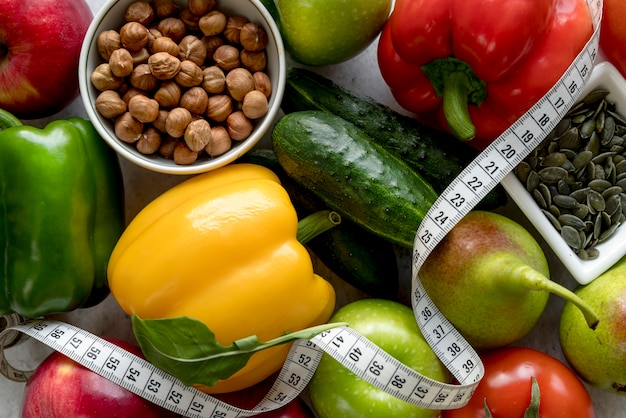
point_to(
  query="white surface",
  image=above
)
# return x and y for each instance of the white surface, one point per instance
(360, 74)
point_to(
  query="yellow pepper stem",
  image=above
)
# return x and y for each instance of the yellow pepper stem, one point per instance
(316, 223)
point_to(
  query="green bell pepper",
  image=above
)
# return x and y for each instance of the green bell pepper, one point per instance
(62, 213)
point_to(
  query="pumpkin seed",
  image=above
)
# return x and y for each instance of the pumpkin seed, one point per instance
(571, 237)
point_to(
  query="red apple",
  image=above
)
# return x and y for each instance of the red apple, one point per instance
(40, 42)
(60, 387)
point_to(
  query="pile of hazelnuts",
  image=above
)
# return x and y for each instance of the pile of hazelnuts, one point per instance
(182, 82)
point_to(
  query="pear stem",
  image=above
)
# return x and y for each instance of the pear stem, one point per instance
(534, 280)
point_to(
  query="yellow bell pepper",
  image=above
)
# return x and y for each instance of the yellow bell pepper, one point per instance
(221, 247)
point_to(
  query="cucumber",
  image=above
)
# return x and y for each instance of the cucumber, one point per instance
(352, 174)
(356, 256)
(435, 155)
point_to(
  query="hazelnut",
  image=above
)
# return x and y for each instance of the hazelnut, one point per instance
(254, 105)
(183, 155)
(192, 49)
(121, 62)
(239, 82)
(177, 121)
(143, 79)
(165, 44)
(211, 43)
(253, 61)
(134, 36)
(190, 74)
(141, 56)
(195, 100)
(149, 141)
(109, 104)
(143, 108)
(214, 80)
(253, 37)
(189, 19)
(153, 34)
(226, 57)
(163, 65)
(164, 8)
(232, 32)
(166, 150)
(239, 126)
(159, 122)
(262, 83)
(127, 128)
(219, 107)
(220, 141)
(198, 134)
(130, 93)
(107, 42)
(124, 88)
(139, 11)
(212, 23)
(172, 27)
(200, 7)
(103, 78)
(168, 95)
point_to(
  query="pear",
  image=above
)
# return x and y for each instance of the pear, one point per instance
(598, 356)
(489, 277)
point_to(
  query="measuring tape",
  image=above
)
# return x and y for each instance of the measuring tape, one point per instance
(350, 348)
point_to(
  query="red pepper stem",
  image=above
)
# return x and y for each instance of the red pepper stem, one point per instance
(456, 90)
(316, 223)
(458, 86)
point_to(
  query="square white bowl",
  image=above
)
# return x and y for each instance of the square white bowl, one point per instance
(111, 16)
(606, 76)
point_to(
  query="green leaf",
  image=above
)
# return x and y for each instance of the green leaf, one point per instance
(187, 349)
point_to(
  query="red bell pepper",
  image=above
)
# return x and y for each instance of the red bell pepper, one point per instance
(474, 67)
(613, 33)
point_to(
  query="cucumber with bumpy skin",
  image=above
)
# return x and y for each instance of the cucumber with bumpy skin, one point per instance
(360, 258)
(352, 174)
(436, 156)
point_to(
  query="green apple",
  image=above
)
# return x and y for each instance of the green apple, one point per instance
(325, 32)
(337, 392)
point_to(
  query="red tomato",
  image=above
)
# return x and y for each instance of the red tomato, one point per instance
(507, 387)
(613, 33)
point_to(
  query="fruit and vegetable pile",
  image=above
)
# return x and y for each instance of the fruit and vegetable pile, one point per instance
(309, 231)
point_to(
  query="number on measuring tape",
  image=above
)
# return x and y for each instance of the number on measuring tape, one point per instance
(353, 350)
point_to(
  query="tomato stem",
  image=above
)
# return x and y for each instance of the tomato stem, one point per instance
(535, 399)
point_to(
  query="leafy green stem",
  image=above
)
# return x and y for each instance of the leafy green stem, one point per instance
(187, 349)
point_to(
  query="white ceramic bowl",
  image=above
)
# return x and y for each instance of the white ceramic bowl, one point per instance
(111, 16)
(606, 76)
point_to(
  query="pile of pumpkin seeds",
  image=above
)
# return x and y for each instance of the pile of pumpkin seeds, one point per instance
(577, 175)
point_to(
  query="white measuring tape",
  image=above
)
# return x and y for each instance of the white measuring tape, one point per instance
(346, 345)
